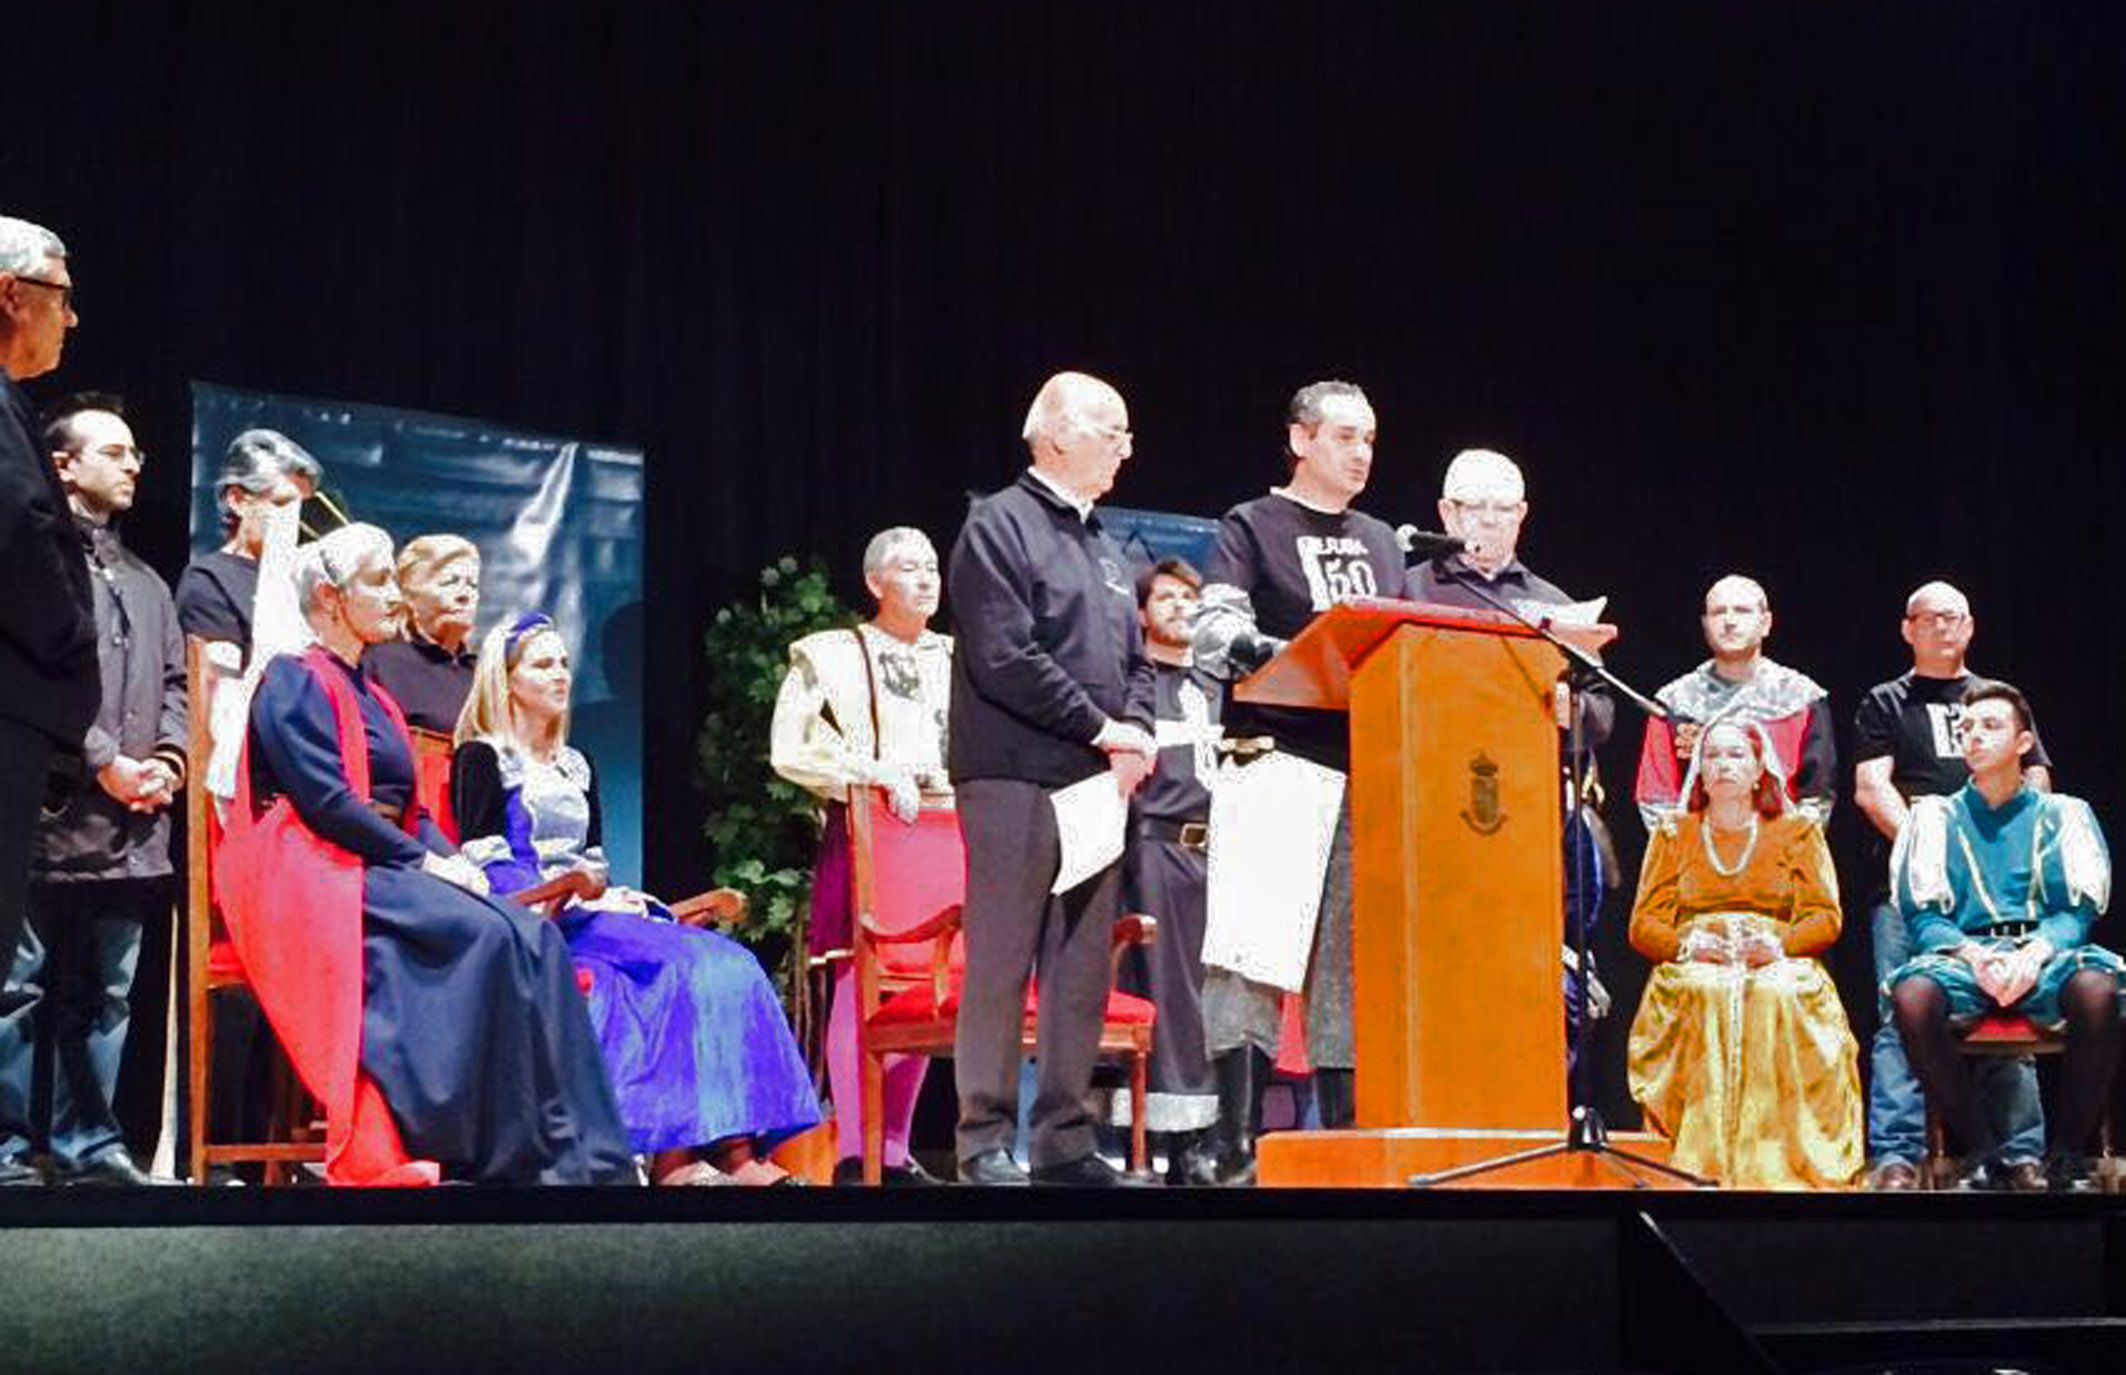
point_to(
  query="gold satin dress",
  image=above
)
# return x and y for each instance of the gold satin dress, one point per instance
(1753, 1074)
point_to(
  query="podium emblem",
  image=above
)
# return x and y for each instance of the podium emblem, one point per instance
(1483, 815)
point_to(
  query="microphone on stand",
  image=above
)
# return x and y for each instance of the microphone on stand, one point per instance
(1428, 544)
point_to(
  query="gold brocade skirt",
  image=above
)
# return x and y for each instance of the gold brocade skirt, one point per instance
(1752, 1074)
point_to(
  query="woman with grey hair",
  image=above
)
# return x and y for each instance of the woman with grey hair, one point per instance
(443, 1029)
(262, 471)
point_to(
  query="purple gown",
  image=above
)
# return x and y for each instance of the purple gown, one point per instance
(695, 1040)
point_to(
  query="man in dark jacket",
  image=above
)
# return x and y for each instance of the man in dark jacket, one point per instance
(102, 867)
(1050, 688)
(48, 680)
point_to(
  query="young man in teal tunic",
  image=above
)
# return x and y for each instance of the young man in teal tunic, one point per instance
(2000, 884)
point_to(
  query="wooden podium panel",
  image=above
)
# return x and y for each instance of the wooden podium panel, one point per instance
(1457, 854)
(1458, 882)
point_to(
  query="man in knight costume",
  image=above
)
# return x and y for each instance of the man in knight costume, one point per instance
(1740, 681)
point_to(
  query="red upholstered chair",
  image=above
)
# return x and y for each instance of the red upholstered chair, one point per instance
(2002, 1034)
(431, 756)
(908, 884)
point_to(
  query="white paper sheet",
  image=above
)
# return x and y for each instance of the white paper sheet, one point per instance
(1091, 818)
(1273, 823)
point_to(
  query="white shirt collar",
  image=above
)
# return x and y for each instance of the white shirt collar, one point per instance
(1075, 502)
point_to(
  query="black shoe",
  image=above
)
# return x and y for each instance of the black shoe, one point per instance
(1086, 1172)
(1975, 1176)
(2070, 1174)
(994, 1169)
(849, 1172)
(1192, 1164)
(19, 1174)
(111, 1170)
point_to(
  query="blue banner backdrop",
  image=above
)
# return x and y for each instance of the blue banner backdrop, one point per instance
(1149, 536)
(558, 523)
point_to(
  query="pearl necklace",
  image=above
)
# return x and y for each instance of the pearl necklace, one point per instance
(1712, 853)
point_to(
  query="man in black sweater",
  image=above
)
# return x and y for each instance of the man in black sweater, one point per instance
(49, 688)
(1050, 687)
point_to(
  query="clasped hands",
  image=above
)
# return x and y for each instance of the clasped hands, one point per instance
(2006, 975)
(1752, 949)
(139, 785)
(1131, 752)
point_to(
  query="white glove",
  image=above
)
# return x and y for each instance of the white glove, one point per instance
(903, 797)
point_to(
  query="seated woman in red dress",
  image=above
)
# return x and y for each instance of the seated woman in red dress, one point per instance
(443, 1029)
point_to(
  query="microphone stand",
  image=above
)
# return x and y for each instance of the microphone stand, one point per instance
(1586, 1134)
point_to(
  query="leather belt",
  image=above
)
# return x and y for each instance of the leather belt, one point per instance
(1190, 835)
(2009, 929)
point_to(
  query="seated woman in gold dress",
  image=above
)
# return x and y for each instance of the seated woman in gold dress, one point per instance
(1741, 1054)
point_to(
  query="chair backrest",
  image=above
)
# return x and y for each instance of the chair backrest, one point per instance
(903, 875)
(210, 665)
(432, 751)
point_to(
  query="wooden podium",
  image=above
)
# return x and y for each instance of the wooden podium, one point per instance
(1457, 802)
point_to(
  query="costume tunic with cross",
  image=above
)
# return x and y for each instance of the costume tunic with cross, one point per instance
(858, 707)
(475, 1051)
(694, 1038)
(1789, 705)
(1752, 1073)
(2035, 866)
(1164, 876)
(1278, 562)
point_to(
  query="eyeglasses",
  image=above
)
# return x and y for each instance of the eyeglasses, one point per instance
(65, 289)
(1945, 619)
(1111, 434)
(116, 453)
(1504, 510)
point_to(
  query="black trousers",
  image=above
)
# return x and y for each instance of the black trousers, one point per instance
(25, 757)
(1016, 928)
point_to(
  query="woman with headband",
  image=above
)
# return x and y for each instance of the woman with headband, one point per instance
(443, 1029)
(708, 1075)
(1741, 1054)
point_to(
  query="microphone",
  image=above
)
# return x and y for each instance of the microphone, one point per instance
(1428, 544)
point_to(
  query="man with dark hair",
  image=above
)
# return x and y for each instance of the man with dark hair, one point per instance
(1050, 688)
(1164, 873)
(1279, 561)
(1906, 744)
(102, 868)
(2000, 884)
(48, 683)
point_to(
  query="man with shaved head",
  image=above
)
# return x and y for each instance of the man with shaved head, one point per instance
(1740, 681)
(1906, 745)
(1050, 687)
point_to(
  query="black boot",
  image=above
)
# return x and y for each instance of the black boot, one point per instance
(1232, 1141)
(1336, 1098)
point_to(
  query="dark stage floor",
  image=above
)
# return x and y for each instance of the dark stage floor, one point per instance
(640, 1280)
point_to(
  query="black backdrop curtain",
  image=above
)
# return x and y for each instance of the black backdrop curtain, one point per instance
(1824, 293)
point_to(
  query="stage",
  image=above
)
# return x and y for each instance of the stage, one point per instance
(301, 1279)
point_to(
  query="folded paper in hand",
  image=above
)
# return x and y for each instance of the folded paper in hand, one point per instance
(1091, 817)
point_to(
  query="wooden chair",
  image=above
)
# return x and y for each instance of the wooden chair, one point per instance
(2005, 1035)
(909, 882)
(211, 965)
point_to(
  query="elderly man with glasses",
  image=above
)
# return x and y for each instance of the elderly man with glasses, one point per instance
(48, 676)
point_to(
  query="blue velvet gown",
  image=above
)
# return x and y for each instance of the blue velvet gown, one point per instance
(694, 1037)
(472, 1025)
